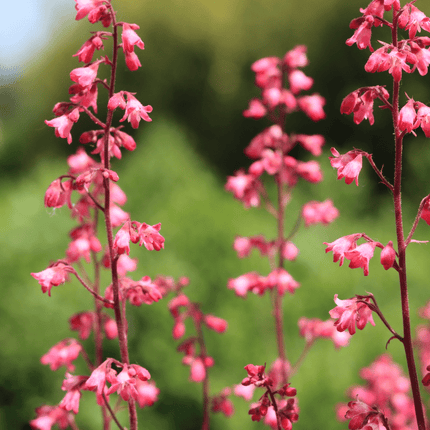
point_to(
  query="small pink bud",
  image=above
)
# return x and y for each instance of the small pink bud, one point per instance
(388, 256)
(215, 323)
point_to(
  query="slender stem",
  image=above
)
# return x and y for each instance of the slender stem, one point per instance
(407, 338)
(122, 332)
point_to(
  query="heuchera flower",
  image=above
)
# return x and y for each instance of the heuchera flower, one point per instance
(342, 245)
(351, 312)
(221, 403)
(363, 32)
(73, 385)
(348, 165)
(48, 416)
(86, 51)
(135, 111)
(311, 143)
(63, 124)
(245, 188)
(312, 329)
(149, 236)
(361, 256)
(388, 255)
(312, 106)
(319, 212)
(62, 354)
(53, 276)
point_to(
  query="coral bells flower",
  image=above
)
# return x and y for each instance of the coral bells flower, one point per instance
(311, 143)
(312, 106)
(147, 393)
(53, 276)
(342, 245)
(130, 38)
(221, 403)
(388, 255)
(361, 256)
(408, 117)
(348, 165)
(256, 109)
(215, 323)
(256, 376)
(62, 354)
(296, 57)
(135, 111)
(48, 416)
(73, 385)
(97, 380)
(283, 281)
(149, 236)
(363, 32)
(63, 124)
(85, 76)
(86, 52)
(364, 417)
(319, 212)
(245, 188)
(58, 194)
(95, 9)
(351, 312)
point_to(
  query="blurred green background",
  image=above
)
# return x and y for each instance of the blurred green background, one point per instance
(196, 76)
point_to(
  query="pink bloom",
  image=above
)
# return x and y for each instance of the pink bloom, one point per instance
(361, 256)
(312, 106)
(73, 385)
(117, 100)
(85, 76)
(296, 57)
(312, 143)
(243, 283)
(256, 376)
(62, 354)
(271, 161)
(121, 244)
(110, 327)
(363, 32)
(256, 109)
(348, 165)
(243, 246)
(147, 393)
(133, 63)
(80, 162)
(289, 251)
(341, 246)
(415, 20)
(149, 236)
(350, 313)
(125, 140)
(267, 73)
(310, 171)
(363, 416)
(97, 380)
(130, 38)
(244, 391)
(423, 116)
(272, 137)
(319, 212)
(215, 323)
(299, 81)
(283, 281)
(245, 188)
(86, 52)
(58, 194)
(425, 214)
(84, 7)
(388, 255)
(53, 276)
(63, 124)
(408, 117)
(83, 323)
(220, 403)
(48, 416)
(135, 111)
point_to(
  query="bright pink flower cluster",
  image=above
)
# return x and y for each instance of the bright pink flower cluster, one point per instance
(313, 329)
(384, 399)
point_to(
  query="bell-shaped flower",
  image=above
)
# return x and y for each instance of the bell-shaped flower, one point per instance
(312, 143)
(283, 281)
(63, 124)
(83, 323)
(256, 109)
(341, 246)
(299, 81)
(245, 188)
(73, 385)
(296, 57)
(414, 20)
(363, 32)
(361, 256)
(408, 117)
(53, 276)
(215, 323)
(348, 165)
(312, 106)
(86, 51)
(48, 416)
(135, 111)
(121, 243)
(423, 116)
(388, 255)
(62, 354)
(319, 212)
(97, 380)
(85, 76)
(150, 237)
(58, 194)
(351, 313)
(147, 393)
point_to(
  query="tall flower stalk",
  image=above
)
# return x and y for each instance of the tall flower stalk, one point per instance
(405, 55)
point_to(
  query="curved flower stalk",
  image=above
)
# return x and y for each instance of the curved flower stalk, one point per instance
(405, 53)
(282, 83)
(90, 191)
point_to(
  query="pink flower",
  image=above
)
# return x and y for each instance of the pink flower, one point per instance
(267, 73)
(361, 256)
(53, 276)
(289, 251)
(130, 38)
(310, 171)
(283, 281)
(147, 393)
(363, 32)
(408, 117)
(133, 63)
(245, 188)
(220, 403)
(299, 81)
(423, 116)
(135, 111)
(121, 243)
(215, 323)
(388, 255)
(95, 9)
(73, 385)
(256, 109)
(58, 194)
(312, 143)
(243, 283)
(348, 165)
(149, 236)
(296, 57)
(341, 246)
(415, 20)
(83, 323)
(319, 212)
(312, 106)
(48, 416)
(62, 354)
(244, 391)
(362, 416)
(97, 380)
(256, 376)
(63, 124)
(117, 100)
(351, 312)
(86, 52)
(85, 76)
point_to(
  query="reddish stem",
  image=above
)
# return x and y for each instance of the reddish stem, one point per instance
(407, 338)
